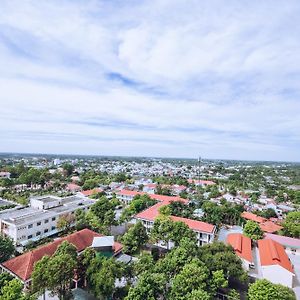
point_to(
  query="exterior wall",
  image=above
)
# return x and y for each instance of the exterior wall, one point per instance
(36, 203)
(125, 198)
(277, 274)
(245, 264)
(36, 229)
(202, 237)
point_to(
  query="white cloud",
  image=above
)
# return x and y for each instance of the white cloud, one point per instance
(192, 79)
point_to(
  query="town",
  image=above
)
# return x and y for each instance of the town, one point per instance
(148, 228)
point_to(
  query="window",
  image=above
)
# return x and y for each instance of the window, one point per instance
(38, 223)
(53, 219)
(38, 233)
(46, 230)
(53, 228)
(29, 237)
(30, 225)
(46, 221)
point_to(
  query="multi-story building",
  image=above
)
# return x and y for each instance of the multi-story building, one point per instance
(205, 232)
(40, 219)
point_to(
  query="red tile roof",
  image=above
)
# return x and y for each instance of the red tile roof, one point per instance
(91, 192)
(241, 245)
(272, 253)
(129, 193)
(152, 213)
(22, 265)
(250, 216)
(270, 227)
(195, 225)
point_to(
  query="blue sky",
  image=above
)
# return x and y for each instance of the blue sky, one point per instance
(151, 78)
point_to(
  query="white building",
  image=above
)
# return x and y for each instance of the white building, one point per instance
(275, 265)
(205, 232)
(40, 219)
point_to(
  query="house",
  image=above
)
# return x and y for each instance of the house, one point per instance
(264, 224)
(40, 219)
(127, 196)
(22, 266)
(275, 265)
(150, 188)
(202, 183)
(252, 217)
(4, 174)
(291, 245)
(73, 187)
(242, 248)
(205, 232)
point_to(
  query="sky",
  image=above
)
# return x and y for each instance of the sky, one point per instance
(167, 78)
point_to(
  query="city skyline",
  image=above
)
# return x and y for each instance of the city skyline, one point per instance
(151, 78)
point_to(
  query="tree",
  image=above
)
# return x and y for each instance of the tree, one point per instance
(13, 290)
(291, 224)
(40, 276)
(68, 169)
(253, 231)
(80, 219)
(6, 248)
(65, 222)
(194, 276)
(57, 271)
(162, 230)
(265, 290)
(134, 238)
(4, 279)
(102, 214)
(218, 256)
(150, 286)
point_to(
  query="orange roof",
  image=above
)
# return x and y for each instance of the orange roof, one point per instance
(129, 193)
(272, 253)
(22, 265)
(270, 227)
(250, 216)
(195, 225)
(152, 213)
(91, 192)
(241, 245)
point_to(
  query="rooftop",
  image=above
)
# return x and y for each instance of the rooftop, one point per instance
(22, 266)
(273, 253)
(241, 245)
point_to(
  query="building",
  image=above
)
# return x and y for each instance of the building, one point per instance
(4, 174)
(40, 219)
(205, 232)
(127, 196)
(242, 248)
(264, 224)
(22, 266)
(291, 245)
(274, 264)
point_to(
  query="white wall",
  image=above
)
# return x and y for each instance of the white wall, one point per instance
(278, 274)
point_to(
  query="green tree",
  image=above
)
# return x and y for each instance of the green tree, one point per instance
(65, 222)
(40, 276)
(102, 214)
(291, 224)
(80, 219)
(150, 286)
(6, 248)
(13, 290)
(193, 276)
(265, 290)
(68, 169)
(253, 231)
(134, 238)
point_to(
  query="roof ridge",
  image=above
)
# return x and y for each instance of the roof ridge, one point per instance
(29, 264)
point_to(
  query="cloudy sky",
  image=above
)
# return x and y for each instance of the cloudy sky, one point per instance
(220, 79)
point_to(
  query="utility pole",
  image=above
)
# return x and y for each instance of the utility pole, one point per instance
(199, 164)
